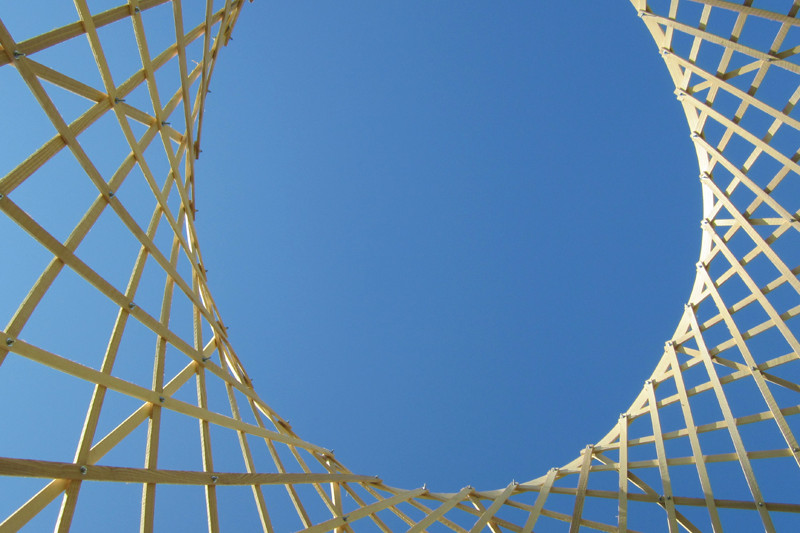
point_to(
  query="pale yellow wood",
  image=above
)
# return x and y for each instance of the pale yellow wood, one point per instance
(622, 520)
(661, 453)
(363, 511)
(583, 481)
(734, 433)
(691, 429)
(75, 471)
(536, 511)
(440, 511)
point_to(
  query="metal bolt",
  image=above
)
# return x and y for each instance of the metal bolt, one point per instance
(204, 359)
(1, 196)
(161, 399)
(796, 449)
(344, 518)
(118, 100)
(131, 305)
(18, 54)
(111, 194)
(665, 51)
(670, 343)
(761, 504)
(9, 342)
(754, 368)
(164, 123)
(669, 497)
(136, 10)
(83, 469)
(214, 479)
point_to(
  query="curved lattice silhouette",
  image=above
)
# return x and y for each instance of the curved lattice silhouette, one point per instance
(709, 443)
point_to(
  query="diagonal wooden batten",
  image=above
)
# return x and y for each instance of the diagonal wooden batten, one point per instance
(57, 486)
(493, 508)
(536, 510)
(741, 451)
(757, 375)
(749, 10)
(363, 512)
(263, 513)
(662, 457)
(150, 396)
(481, 509)
(583, 482)
(691, 429)
(440, 511)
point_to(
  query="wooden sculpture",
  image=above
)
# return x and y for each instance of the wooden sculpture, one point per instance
(682, 443)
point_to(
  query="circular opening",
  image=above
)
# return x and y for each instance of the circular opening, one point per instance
(449, 240)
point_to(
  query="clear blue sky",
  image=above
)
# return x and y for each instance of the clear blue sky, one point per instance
(449, 239)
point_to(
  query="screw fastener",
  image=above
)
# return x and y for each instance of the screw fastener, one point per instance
(83, 469)
(9, 342)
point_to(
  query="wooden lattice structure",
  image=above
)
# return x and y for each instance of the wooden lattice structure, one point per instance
(708, 445)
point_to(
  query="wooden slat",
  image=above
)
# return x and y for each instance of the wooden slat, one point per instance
(583, 481)
(440, 511)
(64, 471)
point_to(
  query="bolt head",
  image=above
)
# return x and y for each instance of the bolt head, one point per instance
(9, 342)
(83, 469)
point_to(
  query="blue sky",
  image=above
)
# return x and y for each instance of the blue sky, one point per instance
(449, 239)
